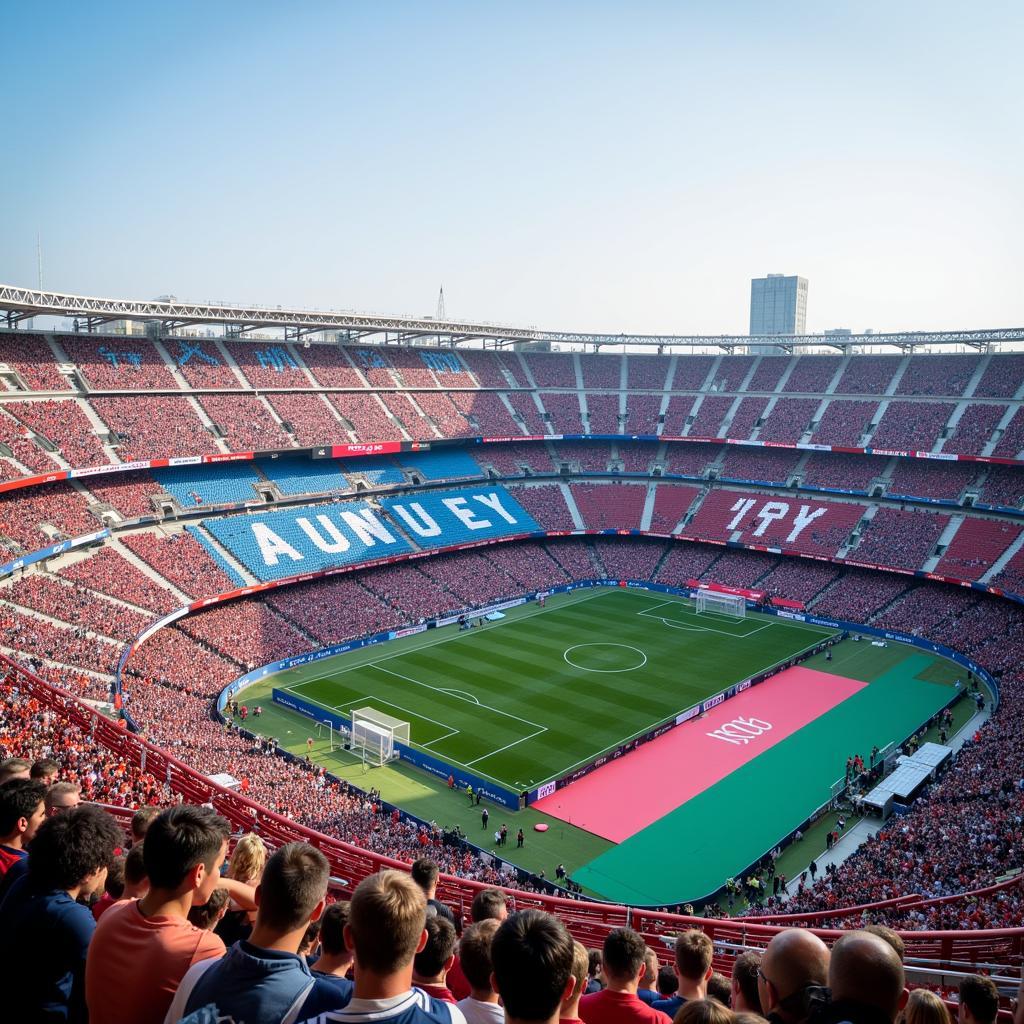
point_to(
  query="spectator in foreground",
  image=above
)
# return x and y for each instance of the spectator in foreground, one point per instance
(624, 967)
(431, 964)
(335, 961)
(647, 991)
(925, 1007)
(263, 978)
(570, 1011)
(705, 1011)
(488, 905)
(141, 820)
(668, 983)
(745, 998)
(720, 989)
(209, 915)
(22, 811)
(532, 953)
(44, 930)
(142, 948)
(692, 969)
(45, 770)
(594, 982)
(425, 874)
(62, 796)
(14, 768)
(481, 1005)
(793, 976)
(386, 928)
(866, 979)
(979, 1000)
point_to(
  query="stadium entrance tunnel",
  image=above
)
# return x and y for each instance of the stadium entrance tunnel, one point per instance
(605, 657)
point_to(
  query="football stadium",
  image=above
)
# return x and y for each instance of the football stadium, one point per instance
(459, 668)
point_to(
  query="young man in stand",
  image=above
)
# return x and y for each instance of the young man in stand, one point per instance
(623, 959)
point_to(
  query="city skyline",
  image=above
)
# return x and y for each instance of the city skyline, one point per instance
(572, 168)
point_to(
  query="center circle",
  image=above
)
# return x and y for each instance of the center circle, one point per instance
(605, 657)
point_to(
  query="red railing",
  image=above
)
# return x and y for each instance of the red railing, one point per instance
(589, 922)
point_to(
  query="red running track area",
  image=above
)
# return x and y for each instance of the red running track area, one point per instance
(626, 795)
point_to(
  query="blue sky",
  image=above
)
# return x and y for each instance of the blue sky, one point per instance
(624, 167)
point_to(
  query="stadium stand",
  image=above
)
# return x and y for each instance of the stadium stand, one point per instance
(938, 374)
(374, 470)
(24, 514)
(628, 561)
(844, 423)
(603, 371)
(920, 478)
(130, 494)
(528, 564)
(610, 506)
(450, 464)
(637, 457)
(1004, 486)
(180, 558)
(900, 538)
(494, 369)
(731, 372)
(551, 370)
(769, 372)
(24, 449)
(691, 459)
(1011, 442)
(118, 364)
(109, 572)
(789, 419)
(743, 421)
(525, 408)
(32, 359)
(375, 365)
(708, 420)
(911, 426)
(839, 471)
(563, 410)
(646, 372)
(603, 413)
(331, 367)
(155, 427)
(334, 610)
(975, 547)
(1003, 376)
(642, 414)
(685, 562)
(591, 457)
(486, 414)
(201, 362)
(368, 419)
(868, 375)
(546, 503)
(268, 364)
(309, 418)
(766, 465)
(974, 429)
(66, 427)
(445, 414)
(401, 406)
(245, 422)
(812, 374)
(221, 484)
(300, 474)
(677, 412)
(691, 372)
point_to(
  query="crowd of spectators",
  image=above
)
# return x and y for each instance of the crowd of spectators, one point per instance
(563, 409)
(109, 572)
(610, 506)
(974, 429)
(180, 558)
(546, 503)
(369, 419)
(709, 417)
(309, 418)
(33, 360)
(486, 410)
(902, 538)
(64, 425)
(24, 512)
(130, 493)
(911, 426)
(245, 422)
(603, 413)
(789, 419)
(155, 427)
(445, 414)
(767, 465)
(405, 411)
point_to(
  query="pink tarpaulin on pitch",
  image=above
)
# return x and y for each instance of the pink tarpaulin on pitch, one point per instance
(625, 796)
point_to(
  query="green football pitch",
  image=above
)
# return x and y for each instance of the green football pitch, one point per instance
(532, 697)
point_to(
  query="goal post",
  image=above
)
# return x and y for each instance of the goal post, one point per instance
(374, 735)
(713, 602)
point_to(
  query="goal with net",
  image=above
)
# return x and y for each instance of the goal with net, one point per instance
(709, 601)
(375, 734)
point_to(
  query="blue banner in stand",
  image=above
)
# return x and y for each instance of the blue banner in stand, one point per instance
(55, 549)
(442, 769)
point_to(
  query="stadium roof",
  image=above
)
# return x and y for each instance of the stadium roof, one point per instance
(17, 304)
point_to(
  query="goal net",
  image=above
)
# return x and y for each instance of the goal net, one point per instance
(723, 604)
(375, 734)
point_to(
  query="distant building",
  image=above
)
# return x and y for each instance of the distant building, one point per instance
(778, 305)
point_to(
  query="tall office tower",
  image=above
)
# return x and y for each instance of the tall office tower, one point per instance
(778, 305)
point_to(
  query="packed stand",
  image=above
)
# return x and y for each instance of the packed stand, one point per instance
(911, 426)
(245, 422)
(118, 364)
(155, 427)
(546, 504)
(401, 406)
(921, 478)
(130, 494)
(109, 572)
(844, 423)
(65, 425)
(902, 538)
(789, 420)
(180, 558)
(23, 513)
(309, 418)
(368, 418)
(563, 410)
(974, 429)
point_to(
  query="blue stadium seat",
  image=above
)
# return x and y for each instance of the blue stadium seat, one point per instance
(218, 484)
(432, 523)
(273, 545)
(378, 469)
(299, 475)
(441, 464)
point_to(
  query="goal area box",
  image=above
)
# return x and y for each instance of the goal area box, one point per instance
(712, 601)
(374, 735)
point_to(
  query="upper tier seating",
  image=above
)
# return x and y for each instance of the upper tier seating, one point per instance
(769, 372)
(731, 372)
(526, 409)
(765, 465)
(331, 367)
(269, 364)
(868, 375)
(690, 459)
(201, 362)
(789, 419)
(445, 413)
(23, 513)
(709, 416)
(14, 435)
(402, 407)
(495, 369)
(33, 360)
(642, 414)
(1004, 486)
(63, 424)
(604, 371)
(691, 372)
(551, 370)
(118, 364)
(591, 457)
(1002, 378)
(676, 413)
(1011, 443)
(647, 371)
(131, 494)
(747, 413)
(509, 459)
(813, 374)
(923, 479)
(938, 374)
(109, 572)
(842, 472)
